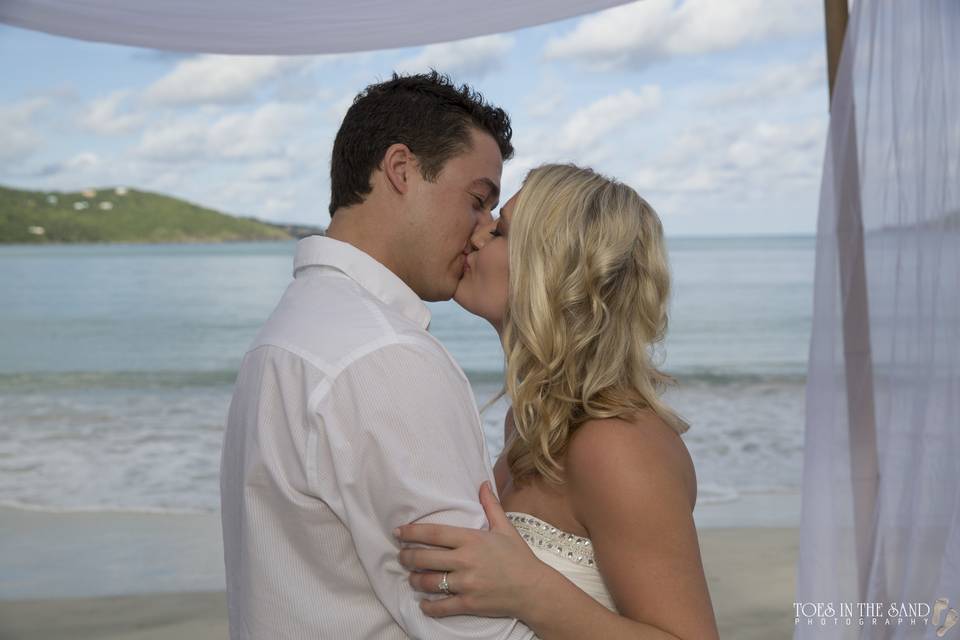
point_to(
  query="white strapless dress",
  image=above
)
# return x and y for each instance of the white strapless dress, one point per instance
(569, 554)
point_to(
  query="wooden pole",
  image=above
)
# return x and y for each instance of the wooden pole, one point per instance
(858, 361)
(836, 15)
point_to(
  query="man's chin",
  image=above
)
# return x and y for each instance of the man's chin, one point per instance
(441, 294)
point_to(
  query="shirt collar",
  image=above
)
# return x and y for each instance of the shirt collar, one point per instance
(366, 271)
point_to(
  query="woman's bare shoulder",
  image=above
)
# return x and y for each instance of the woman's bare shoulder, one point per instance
(603, 450)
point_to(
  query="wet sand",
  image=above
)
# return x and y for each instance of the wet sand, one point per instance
(170, 567)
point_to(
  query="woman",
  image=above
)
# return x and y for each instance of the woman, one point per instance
(598, 538)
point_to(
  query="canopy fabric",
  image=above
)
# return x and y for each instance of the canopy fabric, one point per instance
(285, 26)
(880, 518)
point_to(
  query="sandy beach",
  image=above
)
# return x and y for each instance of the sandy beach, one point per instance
(61, 572)
(163, 616)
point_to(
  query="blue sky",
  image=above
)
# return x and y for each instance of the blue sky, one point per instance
(716, 112)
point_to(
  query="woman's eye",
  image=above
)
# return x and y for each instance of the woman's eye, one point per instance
(496, 233)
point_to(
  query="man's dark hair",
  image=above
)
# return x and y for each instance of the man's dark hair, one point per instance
(426, 112)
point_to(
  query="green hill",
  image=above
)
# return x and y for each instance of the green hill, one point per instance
(120, 215)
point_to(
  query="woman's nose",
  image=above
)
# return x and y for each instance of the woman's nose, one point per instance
(481, 233)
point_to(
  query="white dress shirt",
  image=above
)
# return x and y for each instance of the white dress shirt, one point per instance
(348, 419)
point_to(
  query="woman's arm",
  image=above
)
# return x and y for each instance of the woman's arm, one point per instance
(632, 486)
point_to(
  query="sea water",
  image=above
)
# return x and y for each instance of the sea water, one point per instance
(117, 364)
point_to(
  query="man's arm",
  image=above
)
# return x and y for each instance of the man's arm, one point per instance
(399, 441)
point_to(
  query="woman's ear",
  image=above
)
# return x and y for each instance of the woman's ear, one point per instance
(398, 162)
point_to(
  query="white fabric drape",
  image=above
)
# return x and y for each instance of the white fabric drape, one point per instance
(285, 26)
(880, 519)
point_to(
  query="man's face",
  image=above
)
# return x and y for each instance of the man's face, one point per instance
(445, 213)
(484, 288)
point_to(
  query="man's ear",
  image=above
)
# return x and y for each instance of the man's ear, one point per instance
(398, 165)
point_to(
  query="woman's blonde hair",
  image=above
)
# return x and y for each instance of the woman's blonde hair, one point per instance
(589, 287)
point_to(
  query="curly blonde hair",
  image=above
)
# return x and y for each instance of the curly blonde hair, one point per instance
(588, 294)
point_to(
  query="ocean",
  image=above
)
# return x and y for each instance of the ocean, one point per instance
(117, 364)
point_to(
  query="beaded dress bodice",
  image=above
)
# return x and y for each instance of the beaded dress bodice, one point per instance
(570, 554)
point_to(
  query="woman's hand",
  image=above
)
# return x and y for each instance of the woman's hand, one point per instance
(490, 573)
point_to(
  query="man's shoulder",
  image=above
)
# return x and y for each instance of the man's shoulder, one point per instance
(330, 321)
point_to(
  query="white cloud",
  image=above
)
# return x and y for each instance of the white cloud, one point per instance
(266, 201)
(18, 138)
(789, 151)
(177, 140)
(752, 161)
(274, 169)
(587, 137)
(221, 79)
(638, 34)
(170, 181)
(475, 57)
(546, 98)
(257, 134)
(775, 81)
(604, 116)
(276, 207)
(78, 167)
(81, 161)
(105, 116)
(671, 180)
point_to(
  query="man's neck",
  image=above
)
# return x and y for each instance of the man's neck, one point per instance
(346, 227)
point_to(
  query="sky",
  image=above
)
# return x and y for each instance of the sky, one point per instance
(715, 111)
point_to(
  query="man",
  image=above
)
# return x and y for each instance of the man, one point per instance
(348, 418)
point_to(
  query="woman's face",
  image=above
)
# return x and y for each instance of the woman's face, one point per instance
(486, 276)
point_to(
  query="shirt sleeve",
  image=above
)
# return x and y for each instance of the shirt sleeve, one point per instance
(398, 441)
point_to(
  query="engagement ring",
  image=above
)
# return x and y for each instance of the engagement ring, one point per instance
(444, 586)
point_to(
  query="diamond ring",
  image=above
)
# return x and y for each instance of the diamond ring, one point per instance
(444, 586)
